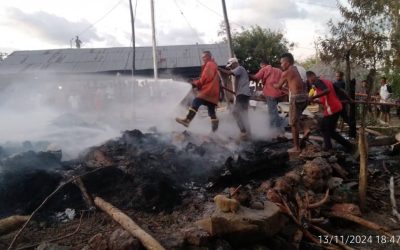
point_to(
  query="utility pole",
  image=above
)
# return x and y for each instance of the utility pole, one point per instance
(228, 29)
(228, 33)
(153, 29)
(133, 38)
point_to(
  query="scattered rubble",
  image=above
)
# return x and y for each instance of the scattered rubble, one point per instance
(190, 191)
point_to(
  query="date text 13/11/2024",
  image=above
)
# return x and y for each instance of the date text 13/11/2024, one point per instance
(359, 239)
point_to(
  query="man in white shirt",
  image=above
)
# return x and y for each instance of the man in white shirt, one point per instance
(385, 94)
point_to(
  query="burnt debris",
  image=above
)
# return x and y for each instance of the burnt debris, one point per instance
(151, 171)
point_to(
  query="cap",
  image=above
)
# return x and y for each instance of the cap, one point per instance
(231, 61)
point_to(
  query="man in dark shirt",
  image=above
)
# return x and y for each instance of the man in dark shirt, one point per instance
(339, 80)
(340, 84)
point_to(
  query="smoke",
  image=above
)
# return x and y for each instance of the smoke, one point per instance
(76, 112)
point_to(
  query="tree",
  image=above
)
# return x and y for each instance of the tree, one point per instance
(358, 39)
(386, 15)
(361, 38)
(309, 62)
(252, 45)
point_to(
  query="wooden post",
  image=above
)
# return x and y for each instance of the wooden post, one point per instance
(363, 175)
(362, 145)
(133, 36)
(153, 38)
(228, 29)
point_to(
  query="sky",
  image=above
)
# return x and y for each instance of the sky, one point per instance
(53, 24)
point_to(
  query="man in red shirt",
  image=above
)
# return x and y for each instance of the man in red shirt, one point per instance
(326, 92)
(269, 76)
(208, 86)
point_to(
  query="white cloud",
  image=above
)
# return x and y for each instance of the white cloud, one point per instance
(267, 13)
(47, 24)
(54, 29)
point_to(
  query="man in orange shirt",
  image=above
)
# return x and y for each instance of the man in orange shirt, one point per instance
(208, 86)
(269, 76)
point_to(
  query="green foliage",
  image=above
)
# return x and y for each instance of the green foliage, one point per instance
(357, 39)
(369, 34)
(252, 45)
(309, 63)
(394, 80)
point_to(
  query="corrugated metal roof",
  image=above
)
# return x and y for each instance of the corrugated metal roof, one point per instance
(109, 59)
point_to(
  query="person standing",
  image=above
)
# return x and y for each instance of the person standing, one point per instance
(78, 42)
(341, 84)
(332, 108)
(243, 93)
(269, 76)
(385, 93)
(298, 96)
(208, 86)
(339, 80)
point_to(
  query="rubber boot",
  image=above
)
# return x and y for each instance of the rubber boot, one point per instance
(189, 117)
(214, 124)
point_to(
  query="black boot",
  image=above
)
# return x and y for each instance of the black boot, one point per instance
(214, 124)
(189, 117)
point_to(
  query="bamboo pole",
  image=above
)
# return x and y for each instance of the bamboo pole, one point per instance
(128, 224)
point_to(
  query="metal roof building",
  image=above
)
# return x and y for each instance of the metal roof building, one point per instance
(172, 59)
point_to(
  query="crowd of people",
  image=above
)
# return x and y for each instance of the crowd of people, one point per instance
(302, 88)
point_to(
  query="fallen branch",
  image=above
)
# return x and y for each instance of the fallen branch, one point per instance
(368, 224)
(373, 132)
(58, 238)
(235, 191)
(9, 224)
(321, 202)
(286, 209)
(362, 222)
(45, 201)
(85, 195)
(382, 141)
(393, 199)
(128, 224)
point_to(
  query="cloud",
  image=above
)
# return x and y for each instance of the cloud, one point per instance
(179, 36)
(55, 29)
(112, 41)
(266, 13)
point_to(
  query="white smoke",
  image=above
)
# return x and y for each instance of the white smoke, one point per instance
(77, 112)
